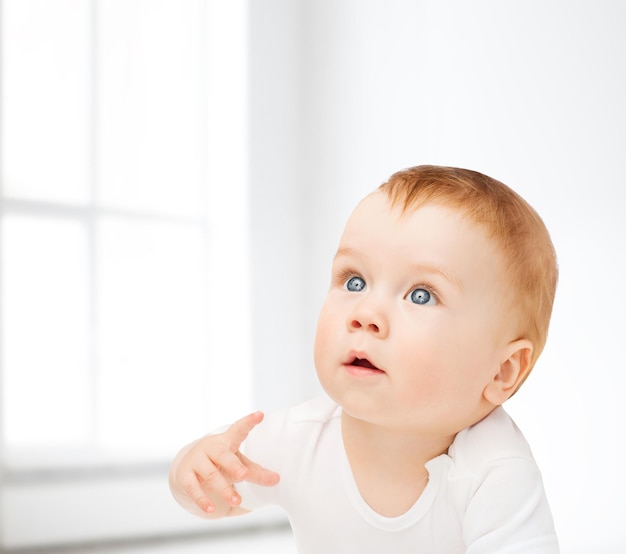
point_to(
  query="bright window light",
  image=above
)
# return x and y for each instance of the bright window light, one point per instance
(45, 100)
(124, 303)
(45, 322)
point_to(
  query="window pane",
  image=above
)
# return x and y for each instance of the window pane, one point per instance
(45, 392)
(45, 55)
(149, 104)
(152, 328)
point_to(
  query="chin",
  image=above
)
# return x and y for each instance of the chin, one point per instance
(364, 407)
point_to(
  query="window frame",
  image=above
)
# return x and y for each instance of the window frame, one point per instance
(75, 491)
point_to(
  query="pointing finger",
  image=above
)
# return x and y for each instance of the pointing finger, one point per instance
(238, 431)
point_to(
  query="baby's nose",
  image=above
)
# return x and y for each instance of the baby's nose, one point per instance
(366, 317)
(356, 324)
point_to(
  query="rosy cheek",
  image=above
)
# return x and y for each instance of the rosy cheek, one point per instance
(323, 337)
(421, 390)
(426, 377)
(328, 321)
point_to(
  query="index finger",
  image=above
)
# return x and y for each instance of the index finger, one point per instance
(239, 431)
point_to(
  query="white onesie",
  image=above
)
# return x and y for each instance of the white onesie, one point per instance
(484, 496)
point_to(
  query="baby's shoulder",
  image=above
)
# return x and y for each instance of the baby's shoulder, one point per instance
(318, 410)
(300, 421)
(287, 437)
(495, 438)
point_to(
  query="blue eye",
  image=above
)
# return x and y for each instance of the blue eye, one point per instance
(355, 284)
(422, 297)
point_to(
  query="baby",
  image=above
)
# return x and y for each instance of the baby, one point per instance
(438, 308)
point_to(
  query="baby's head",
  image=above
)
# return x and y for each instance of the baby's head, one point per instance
(439, 302)
(516, 228)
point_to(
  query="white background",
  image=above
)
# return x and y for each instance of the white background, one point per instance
(342, 93)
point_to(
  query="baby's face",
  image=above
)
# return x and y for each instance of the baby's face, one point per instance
(414, 325)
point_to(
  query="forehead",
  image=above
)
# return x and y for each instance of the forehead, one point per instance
(375, 215)
(433, 233)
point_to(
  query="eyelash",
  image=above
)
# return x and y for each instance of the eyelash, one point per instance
(345, 274)
(427, 287)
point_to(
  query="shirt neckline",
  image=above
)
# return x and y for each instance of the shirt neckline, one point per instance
(397, 523)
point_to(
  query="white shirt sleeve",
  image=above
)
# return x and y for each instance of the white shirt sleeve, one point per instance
(508, 515)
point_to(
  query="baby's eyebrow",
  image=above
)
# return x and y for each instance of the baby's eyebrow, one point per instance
(344, 251)
(419, 267)
(436, 270)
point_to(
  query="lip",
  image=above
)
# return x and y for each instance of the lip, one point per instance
(359, 364)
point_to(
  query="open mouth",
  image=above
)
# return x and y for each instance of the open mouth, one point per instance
(364, 362)
(362, 366)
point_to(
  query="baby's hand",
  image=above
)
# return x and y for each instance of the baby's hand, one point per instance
(203, 474)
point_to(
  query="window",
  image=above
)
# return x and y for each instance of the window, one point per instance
(124, 308)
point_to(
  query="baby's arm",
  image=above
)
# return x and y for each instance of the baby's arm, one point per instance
(203, 474)
(509, 512)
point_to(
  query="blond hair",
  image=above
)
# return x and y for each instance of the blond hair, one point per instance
(515, 226)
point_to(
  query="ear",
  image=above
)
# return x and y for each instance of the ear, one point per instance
(512, 371)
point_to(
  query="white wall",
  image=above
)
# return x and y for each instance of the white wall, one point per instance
(275, 202)
(531, 93)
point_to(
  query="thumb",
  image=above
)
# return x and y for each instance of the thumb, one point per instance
(258, 474)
